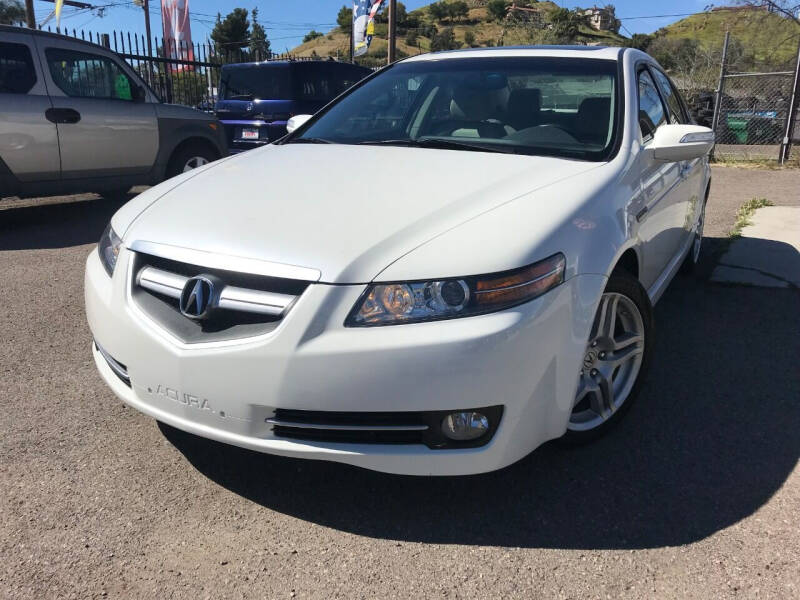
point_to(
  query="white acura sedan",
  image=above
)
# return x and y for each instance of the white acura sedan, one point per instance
(449, 265)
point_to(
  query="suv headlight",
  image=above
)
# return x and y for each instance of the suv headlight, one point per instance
(108, 248)
(411, 302)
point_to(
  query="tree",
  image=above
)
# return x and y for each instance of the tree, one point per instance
(469, 39)
(233, 32)
(438, 11)
(497, 9)
(428, 30)
(445, 40)
(612, 16)
(402, 15)
(259, 44)
(457, 10)
(312, 35)
(565, 23)
(345, 19)
(411, 38)
(640, 41)
(11, 12)
(788, 8)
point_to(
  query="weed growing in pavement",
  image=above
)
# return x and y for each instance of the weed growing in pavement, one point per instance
(744, 214)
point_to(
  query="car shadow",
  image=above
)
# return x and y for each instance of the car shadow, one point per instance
(711, 438)
(56, 223)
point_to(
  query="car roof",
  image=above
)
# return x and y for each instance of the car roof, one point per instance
(600, 52)
(286, 63)
(50, 34)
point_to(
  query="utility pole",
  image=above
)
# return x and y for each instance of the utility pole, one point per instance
(146, 7)
(786, 145)
(720, 88)
(29, 16)
(392, 31)
(352, 43)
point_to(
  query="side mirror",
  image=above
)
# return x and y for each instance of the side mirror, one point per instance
(296, 121)
(674, 143)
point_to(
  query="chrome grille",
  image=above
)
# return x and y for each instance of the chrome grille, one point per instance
(246, 305)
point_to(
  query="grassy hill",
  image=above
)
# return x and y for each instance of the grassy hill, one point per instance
(765, 38)
(761, 39)
(486, 32)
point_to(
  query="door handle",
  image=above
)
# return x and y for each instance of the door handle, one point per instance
(62, 115)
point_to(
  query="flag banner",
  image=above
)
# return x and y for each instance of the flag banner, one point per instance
(177, 32)
(364, 12)
(59, 6)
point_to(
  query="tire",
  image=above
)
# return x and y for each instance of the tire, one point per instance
(689, 266)
(617, 362)
(188, 158)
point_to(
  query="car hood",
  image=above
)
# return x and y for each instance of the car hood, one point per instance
(344, 211)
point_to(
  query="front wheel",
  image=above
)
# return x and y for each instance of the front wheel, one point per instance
(616, 359)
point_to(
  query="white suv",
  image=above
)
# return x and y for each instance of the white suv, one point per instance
(451, 264)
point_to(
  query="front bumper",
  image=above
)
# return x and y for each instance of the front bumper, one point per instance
(525, 359)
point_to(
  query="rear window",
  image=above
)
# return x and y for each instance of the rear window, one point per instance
(322, 82)
(251, 82)
(17, 74)
(313, 81)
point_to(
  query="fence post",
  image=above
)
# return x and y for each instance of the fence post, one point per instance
(720, 88)
(786, 144)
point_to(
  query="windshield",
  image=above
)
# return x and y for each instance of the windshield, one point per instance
(529, 105)
(251, 82)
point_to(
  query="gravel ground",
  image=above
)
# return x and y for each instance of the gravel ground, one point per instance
(695, 495)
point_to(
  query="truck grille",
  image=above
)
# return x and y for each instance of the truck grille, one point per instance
(243, 304)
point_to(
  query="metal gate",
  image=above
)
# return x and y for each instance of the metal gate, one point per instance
(754, 113)
(176, 80)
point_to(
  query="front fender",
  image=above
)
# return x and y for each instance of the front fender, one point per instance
(173, 132)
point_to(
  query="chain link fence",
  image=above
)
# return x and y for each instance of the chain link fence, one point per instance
(754, 112)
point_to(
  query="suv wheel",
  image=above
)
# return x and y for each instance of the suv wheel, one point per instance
(188, 159)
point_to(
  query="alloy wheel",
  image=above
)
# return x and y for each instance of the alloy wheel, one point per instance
(698, 235)
(611, 364)
(194, 162)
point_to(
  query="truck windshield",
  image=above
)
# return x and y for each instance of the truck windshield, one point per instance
(255, 82)
(563, 107)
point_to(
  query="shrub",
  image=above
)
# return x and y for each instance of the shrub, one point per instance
(445, 40)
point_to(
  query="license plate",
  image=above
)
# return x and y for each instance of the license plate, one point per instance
(249, 134)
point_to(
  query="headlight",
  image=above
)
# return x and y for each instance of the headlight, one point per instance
(396, 303)
(109, 247)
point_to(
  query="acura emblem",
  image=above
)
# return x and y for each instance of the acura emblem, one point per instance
(197, 298)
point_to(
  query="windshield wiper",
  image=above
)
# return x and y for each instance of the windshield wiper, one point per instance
(311, 140)
(443, 144)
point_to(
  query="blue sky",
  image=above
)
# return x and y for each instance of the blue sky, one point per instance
(288, 20)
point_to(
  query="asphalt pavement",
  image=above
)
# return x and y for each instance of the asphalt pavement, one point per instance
(695, 495)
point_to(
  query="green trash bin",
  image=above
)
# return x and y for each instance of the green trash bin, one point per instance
(737, 125)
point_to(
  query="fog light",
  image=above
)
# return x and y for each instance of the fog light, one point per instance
(465, 426)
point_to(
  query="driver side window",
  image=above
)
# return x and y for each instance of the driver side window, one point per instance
(85, 75)
(651, 109)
